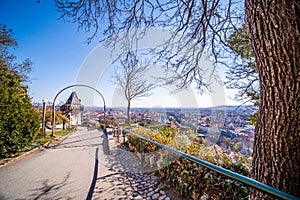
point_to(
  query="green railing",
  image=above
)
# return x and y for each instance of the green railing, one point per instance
(243, 179)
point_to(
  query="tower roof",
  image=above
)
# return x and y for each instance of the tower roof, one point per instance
(73, 99)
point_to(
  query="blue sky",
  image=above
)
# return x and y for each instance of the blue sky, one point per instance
(58, 53)
(55, 47)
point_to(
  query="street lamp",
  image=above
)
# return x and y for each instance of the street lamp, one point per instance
(44, 116)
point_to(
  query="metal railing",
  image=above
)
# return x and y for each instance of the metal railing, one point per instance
(238, 177)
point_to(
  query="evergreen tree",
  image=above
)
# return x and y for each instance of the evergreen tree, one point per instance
(19, 122)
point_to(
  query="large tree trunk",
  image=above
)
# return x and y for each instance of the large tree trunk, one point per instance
(275, 38)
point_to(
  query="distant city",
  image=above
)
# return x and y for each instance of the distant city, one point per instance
(227, 126)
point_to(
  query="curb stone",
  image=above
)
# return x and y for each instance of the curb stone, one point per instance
(23, 154)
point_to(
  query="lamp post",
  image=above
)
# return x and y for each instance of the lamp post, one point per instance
(44, 116)
(70, 120)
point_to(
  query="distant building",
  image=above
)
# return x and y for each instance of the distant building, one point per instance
(73, 108)
(163, 120)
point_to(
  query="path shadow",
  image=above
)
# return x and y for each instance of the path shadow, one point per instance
(106, 149)
(93, 184)
(78, 146)
(2, 196)
(51, 190)
(75, 141)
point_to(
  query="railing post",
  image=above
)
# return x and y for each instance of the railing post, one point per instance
(124, 136)
(118, 134)
(142, 154)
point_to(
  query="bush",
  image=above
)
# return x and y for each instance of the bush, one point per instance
(164, 136)
(190, 179)
(19, 122)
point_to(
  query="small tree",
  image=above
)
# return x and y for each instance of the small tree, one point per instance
(242, 73)
(131, 81)
(59, 116)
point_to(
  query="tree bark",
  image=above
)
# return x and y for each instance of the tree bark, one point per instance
(275, 38)
(128, 112)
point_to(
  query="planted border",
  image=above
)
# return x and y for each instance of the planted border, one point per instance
(190, 179)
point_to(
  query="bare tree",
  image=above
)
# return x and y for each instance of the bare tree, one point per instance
(197, 26)
(206, 25)
(131, 80)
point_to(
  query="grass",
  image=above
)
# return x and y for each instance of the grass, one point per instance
(42, 139)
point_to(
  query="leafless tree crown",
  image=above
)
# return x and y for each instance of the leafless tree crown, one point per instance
(196, 26)
(131, 78)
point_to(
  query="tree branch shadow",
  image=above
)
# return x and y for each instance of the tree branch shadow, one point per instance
(51, 190)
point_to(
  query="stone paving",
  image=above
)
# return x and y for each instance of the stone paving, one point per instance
(126, 181)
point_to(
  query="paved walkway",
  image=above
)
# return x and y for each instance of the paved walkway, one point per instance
(125, 180)
(86, 165)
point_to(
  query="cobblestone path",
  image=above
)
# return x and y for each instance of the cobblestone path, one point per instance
(124, 179)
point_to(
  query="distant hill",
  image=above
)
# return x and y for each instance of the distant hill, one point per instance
(225, 108)
(232, 108)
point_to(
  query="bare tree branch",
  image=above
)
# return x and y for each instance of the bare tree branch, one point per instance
(197, 26)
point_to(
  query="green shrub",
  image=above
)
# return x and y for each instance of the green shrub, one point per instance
(190, 179)
(164, 136)
(19, 122)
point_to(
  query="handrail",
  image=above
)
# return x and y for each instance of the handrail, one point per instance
(243, 179)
